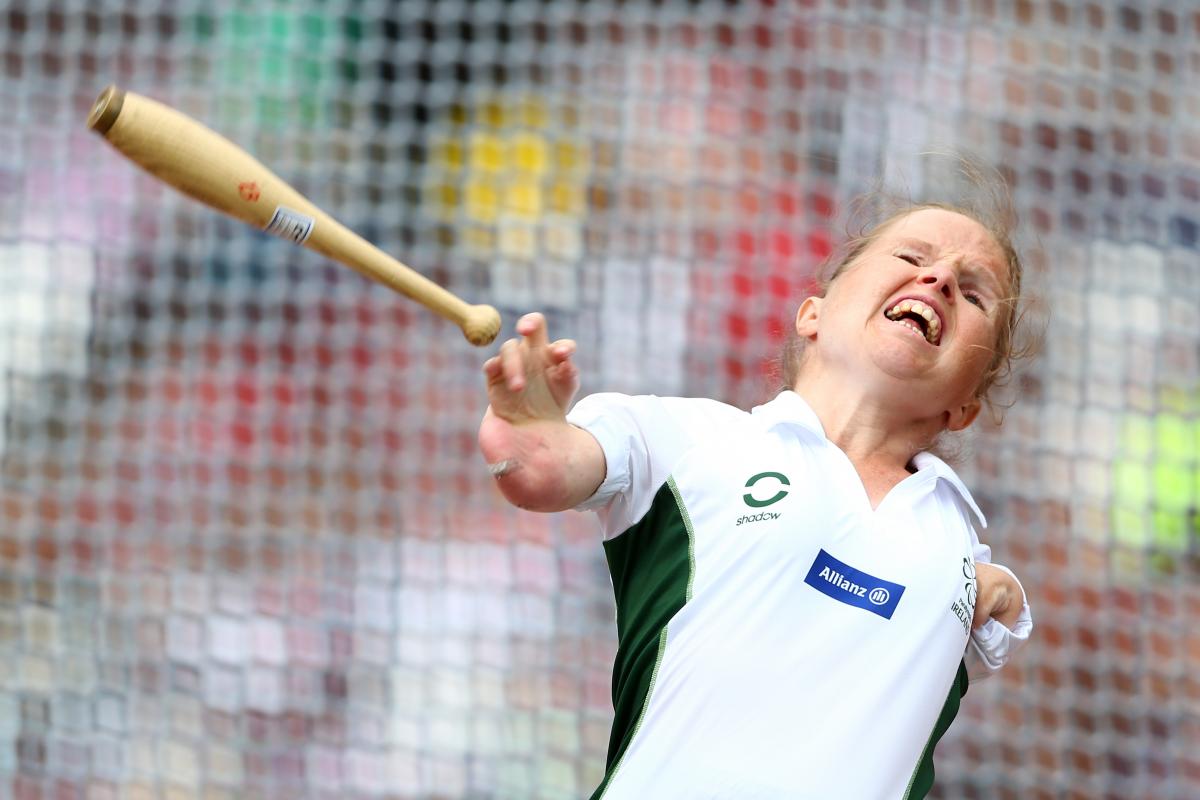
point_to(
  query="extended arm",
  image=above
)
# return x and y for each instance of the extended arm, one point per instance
(541, 461)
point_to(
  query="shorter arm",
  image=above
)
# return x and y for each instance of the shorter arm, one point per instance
(1002, 623)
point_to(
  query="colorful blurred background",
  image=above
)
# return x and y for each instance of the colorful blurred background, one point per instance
(247, 547)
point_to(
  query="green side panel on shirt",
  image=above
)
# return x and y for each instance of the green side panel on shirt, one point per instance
(651, 564)
(922, 779)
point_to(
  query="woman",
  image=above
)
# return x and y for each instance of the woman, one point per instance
(796, 585)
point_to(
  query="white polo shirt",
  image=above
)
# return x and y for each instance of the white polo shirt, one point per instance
(778, 637)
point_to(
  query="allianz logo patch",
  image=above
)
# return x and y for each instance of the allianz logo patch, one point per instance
(853, 587)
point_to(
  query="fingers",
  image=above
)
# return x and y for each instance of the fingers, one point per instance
(512, 365)
(563, 376)
(533, 328)
(562, 350)
(493, 369)
(519, 359)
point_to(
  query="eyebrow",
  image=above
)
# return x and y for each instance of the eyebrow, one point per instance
(919, 244)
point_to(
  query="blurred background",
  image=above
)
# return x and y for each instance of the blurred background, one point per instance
(247, 546)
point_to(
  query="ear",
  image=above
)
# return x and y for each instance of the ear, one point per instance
(808, 316)
(962, 417)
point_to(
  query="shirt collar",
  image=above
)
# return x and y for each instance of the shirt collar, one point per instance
(789, 408)
(928, 461)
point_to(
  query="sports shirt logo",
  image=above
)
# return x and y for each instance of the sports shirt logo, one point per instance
(964, 607)
(852, 586)
(753, 502)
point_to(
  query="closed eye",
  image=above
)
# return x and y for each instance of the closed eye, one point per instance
(910, 258)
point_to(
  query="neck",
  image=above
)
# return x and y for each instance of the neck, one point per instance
(876, 435)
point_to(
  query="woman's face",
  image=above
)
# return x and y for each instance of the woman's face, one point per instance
(917, 313)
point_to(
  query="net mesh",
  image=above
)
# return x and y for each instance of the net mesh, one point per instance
(247, 547)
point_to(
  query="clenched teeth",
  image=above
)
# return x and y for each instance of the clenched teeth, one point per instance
(933, 325)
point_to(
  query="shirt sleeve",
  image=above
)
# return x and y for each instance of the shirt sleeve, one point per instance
(613, 419)
(643, 437)
(992, 644)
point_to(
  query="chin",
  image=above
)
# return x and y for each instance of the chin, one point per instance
(901, 361)
(908, 382)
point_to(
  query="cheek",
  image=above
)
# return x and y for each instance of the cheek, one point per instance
(981, 341)
(853, 296)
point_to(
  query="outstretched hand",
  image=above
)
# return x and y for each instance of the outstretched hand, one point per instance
(532, 379)
(546, 463)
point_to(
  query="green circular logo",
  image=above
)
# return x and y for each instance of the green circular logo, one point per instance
(753, 502)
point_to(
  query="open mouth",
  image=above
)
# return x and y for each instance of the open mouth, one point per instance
(919, 317)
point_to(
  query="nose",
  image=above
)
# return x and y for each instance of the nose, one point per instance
(940, 278)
